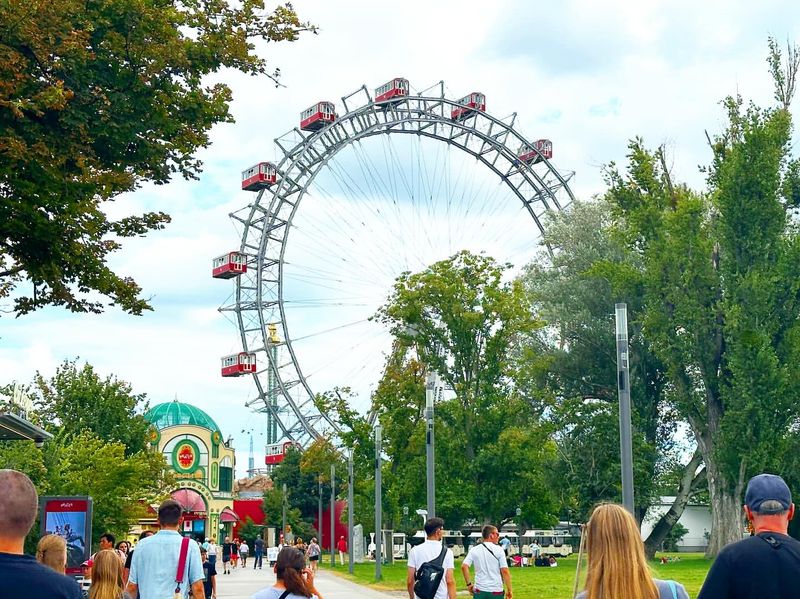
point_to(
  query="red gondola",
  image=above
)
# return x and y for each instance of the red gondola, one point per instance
(238, 364)
(275, 452)
(469, 104)
(229, 265)
(396, 89)
(259, 176)
(316, 117)
(542, 148)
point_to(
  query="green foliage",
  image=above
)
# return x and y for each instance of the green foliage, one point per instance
(570, 368)
(121, 486)
(76, 400)
(460, 318)
(95, 99)
(301, 474)
(249, 531)
(98, 448)
(719, 273)
(675, 536)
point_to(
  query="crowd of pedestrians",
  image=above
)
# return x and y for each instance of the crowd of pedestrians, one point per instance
(166, 564)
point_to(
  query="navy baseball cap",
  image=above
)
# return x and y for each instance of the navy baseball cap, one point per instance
(767, 487)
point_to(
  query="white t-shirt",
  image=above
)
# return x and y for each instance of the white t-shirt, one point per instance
(487, 566)
(243, 548)
(429, 551)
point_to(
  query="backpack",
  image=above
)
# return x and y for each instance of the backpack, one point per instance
(429, 575)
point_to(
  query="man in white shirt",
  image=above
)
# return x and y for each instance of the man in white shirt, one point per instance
(491, 567)
(429, 551)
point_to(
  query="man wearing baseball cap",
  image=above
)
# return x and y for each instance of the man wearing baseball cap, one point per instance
(766, 565)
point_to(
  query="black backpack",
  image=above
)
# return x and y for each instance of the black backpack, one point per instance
(429, 575)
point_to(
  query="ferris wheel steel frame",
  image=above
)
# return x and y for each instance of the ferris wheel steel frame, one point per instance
(259, 300)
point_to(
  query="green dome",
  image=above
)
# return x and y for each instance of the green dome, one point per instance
(175, 413)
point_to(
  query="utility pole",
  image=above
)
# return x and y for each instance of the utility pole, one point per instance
(378, 505)
(333, 512)
(623, 384)
(319, 511)
(351, 555)
(430, 393)
(283, 526)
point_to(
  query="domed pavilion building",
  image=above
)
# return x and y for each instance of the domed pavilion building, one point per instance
(203, 464)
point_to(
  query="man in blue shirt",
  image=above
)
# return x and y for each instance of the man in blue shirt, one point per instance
(155, 562)
(21, 574)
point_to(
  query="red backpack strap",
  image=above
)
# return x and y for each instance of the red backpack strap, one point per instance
(181, 563)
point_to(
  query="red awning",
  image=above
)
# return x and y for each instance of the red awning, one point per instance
(191, 501)
(228, 515)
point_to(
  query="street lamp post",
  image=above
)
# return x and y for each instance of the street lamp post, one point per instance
(333, 511)
(319, 511)
(623, 384)
(378, 505)
(430, 392)
(283, 518)
(519, 532)
(351, 555)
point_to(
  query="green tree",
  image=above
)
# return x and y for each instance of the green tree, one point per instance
(250, 531)
(95, 99)
(461, 319)
(122, 486)
(571, 372)
(76, 400)
(720, 273)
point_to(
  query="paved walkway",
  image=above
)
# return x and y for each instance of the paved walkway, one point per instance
(242, 583)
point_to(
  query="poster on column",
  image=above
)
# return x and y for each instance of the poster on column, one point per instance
(71, 519)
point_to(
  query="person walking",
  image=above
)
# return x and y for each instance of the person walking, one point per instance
(235, 554)
(227, 549)
(491, 567)
(52, 552)
(212, 549)
(505, 543)
(313, 552)
(341, 547)
(22, 575)
(106, 576)
(209, 576)
(617, 566)
(258, 546)
(766, 564)
(294, 580)
(244, 551)
(428, 551)
(155, 565)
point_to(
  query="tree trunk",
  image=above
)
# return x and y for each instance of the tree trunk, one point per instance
(726, 508)
(689, 482)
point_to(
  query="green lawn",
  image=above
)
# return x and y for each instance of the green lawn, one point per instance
(538, 583)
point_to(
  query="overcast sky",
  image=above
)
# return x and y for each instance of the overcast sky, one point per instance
(588, 75)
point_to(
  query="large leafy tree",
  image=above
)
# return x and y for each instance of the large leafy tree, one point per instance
(76, 399)
(96, 98)
(572, 372)
(462, 318)
(721, 279)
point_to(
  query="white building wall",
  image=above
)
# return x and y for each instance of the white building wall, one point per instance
(696, 518)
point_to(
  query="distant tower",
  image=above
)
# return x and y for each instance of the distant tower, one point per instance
(251, 461)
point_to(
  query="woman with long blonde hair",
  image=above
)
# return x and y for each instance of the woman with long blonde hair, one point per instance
(106, 576)
(617, 565)
(52, 552)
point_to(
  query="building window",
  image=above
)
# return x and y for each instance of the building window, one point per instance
(225, 479)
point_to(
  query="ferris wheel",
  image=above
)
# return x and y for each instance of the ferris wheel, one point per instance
(375, 203)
